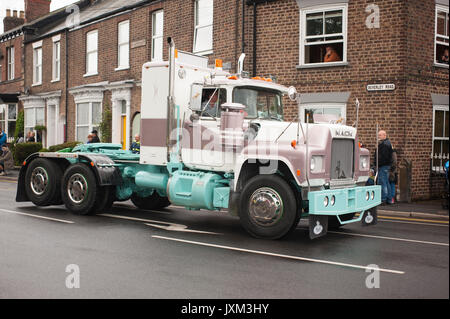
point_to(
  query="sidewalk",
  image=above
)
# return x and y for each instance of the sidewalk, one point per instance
(422, 209)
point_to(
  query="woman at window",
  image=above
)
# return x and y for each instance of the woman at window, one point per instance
(331, 55)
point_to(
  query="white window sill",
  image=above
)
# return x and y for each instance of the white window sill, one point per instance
(121, 68)
(204, 52)
(36, 84)
(90, 74)
(322, 65)
(54, 81)
(441, 65)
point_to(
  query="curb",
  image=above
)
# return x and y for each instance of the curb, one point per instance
(412, 214)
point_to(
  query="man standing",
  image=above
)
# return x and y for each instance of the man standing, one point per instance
(3, 137)
(95, 138)
(384, 166)
(136, 145)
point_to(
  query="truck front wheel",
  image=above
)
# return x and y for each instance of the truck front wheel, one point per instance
(268, 208)
(79, 189)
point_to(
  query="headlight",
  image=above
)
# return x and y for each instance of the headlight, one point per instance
(316, 164)
(364, 162)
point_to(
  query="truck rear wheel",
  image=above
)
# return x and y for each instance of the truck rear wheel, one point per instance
(268, 207)
(79, 189)
(154, 201)
(43, 182)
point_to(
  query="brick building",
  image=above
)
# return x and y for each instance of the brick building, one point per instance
(388, 54)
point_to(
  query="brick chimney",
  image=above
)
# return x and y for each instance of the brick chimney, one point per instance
(13, 20)
(35, 9)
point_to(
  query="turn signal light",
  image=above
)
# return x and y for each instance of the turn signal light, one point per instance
(298, 172)
(294, 143)
(234, 77)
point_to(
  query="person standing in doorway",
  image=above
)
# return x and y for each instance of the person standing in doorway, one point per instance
(384, 153)
(136, 145)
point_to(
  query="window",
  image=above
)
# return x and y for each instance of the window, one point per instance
(56, 61)
(37, 66)
(440, 136)
(89, 116)
(212, 98)
(442, 35)
(323, 112)
(259, 102)
(11, 65)
(91, 53)
(157, 35)
(323, 35)
(8, 116)
(34, 116)
(203, 33)
(124, 45)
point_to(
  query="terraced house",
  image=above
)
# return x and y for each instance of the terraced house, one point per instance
(391, 55)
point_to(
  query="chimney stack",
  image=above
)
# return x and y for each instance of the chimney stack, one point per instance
(35, 9)
(12, 21)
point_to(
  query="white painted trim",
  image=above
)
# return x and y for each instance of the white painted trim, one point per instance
(37, 44)
(56, 38)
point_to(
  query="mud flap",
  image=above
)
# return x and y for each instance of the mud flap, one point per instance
(318, 226)
(370, 217)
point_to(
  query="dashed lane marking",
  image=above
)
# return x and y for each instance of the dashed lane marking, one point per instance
(279, 255)
(36, 216)
(390, 238)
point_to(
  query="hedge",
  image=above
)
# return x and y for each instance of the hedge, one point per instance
(23, 150)
(59, 147)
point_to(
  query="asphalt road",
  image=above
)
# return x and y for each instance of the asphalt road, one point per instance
(187, 254)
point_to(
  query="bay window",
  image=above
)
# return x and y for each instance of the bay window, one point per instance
(89, 116)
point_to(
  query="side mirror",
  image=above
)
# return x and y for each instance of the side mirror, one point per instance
(292, 93)
(196, 97)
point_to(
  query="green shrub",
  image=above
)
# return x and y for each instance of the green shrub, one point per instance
(20, 125)
(44, 150)
(59, 147)
(23, 150)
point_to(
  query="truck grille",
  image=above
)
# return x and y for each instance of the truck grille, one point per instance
(342, 159)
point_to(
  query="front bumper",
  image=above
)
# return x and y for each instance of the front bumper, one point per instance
(335, 202)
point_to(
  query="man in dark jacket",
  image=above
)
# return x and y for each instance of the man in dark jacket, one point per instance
(95, 138)
(384, 166)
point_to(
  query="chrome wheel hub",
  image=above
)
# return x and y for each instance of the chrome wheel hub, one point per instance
(39, 181)
(265, 207)
(77, 188)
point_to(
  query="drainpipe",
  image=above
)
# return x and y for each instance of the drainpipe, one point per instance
(66, 34)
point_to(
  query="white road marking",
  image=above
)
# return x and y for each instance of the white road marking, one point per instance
(279, 255)
(37, 216)
(170, 226)
(181, 228)
(390, 238)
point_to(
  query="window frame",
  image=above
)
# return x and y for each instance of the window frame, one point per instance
(10, 52)
(90, 125)
(303, 36)
(37, 65)
(56, 61)
(444, 108)
(325, 105)
(196, 27)
(35, 109)
(89, 52)
(6, 120)
(446, 10)
(121, 44)
(157, 37)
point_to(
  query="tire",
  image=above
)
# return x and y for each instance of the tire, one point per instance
(260, 191)
(152, 202)
(79, 190)
(334, 224)
(105, 198)
(43, 182)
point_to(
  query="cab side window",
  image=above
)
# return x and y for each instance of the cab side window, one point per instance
(212, 98)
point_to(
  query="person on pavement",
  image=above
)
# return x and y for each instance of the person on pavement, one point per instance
(6, 160)
(384, 152)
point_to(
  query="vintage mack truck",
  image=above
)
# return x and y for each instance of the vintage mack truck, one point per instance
(213, 140)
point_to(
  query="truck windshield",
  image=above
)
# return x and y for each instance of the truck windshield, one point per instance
(259, 102)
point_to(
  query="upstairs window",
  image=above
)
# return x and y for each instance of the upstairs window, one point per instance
(56, 61)
(203, 33)
(92, 53)
(157, 35)
(124, 45)
(11, 65)
(323, 36)
(442, 35)
(37, 66)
